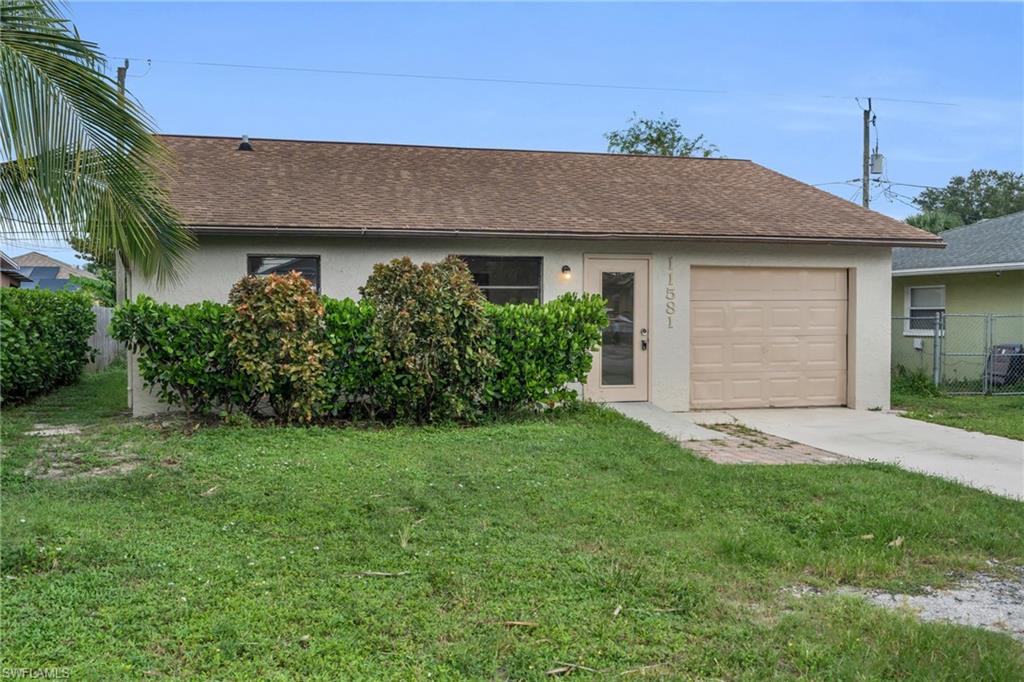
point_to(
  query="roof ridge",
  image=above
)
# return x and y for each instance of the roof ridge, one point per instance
(984, 221)
(237, 138)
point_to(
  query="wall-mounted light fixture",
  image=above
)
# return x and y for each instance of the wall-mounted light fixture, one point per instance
(566, 273)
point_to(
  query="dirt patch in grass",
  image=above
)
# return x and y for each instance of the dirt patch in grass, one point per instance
(71, 465)
(983, 601)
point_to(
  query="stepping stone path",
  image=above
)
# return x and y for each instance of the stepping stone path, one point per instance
(45, 430)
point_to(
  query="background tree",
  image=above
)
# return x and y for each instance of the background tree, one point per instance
(103, 265)
(982, 194)
(935, 221)
(658, 137)
(79, 160)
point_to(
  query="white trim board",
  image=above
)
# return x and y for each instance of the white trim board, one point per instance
(958, 269)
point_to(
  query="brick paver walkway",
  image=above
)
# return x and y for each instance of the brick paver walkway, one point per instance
(741, 445)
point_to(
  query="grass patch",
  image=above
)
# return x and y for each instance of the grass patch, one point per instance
(248, 558)
(996, 415)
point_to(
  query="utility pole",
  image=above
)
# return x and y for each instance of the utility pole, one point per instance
(122, 286)
(866, 177)
(122, 72)
(121, 292)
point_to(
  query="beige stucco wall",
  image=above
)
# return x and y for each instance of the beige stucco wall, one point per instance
(346, 262)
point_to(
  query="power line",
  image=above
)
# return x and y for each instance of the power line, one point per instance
(512, 81)
(907, 184)
(836, 182)
(877, 181)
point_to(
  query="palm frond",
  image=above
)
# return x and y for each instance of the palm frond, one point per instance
(78, 158)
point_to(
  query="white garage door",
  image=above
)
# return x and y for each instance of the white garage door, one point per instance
(767, 337)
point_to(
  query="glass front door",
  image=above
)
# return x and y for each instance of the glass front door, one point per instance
(620, 366)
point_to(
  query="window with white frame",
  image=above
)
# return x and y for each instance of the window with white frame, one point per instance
(922, 305)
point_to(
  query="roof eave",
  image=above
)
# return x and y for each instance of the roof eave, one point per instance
(958, 269)
(526, 234)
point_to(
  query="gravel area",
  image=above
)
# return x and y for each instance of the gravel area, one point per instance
(982, 601)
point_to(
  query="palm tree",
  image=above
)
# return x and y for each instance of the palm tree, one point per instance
(79, 158)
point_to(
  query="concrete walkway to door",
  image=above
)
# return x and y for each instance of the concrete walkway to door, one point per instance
(976, 459)
(676, 425)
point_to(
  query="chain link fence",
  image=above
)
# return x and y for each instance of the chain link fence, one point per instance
(962, 354)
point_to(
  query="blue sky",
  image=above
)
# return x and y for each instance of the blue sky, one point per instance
(790, 72)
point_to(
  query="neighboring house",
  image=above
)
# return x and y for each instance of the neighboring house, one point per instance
(979, 273)
(11, 275)
(729, 285)
(49, 273)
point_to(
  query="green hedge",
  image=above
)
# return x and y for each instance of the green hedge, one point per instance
(44, 340)
(541, 347)
(184, 353)
(532, 352)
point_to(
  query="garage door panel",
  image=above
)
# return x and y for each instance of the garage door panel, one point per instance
(709, 319)
(730, 355)
(825, 317)
(767, 284)
(770, 390)
(763, 337)
(717, 318)
(824, 353)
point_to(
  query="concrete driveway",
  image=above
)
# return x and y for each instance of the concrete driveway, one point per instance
(988, 462)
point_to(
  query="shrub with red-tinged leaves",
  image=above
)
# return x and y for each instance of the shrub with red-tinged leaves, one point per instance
(432, 341)
(279, 342)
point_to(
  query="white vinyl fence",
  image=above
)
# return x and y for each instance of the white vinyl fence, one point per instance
(107, 349)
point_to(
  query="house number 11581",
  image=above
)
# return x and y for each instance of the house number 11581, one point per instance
(670, 295)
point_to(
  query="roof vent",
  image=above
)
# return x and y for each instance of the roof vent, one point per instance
(245, 146)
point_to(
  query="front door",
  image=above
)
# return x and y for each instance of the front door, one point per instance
(620, 367)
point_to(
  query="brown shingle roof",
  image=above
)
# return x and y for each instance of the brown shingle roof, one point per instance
(374, 187)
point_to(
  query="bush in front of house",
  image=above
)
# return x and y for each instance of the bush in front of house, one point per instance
(432, 339)
(423, 345)
(352, 369)
(44, 340)
(542, 347)
(184, 353)
(279, 343)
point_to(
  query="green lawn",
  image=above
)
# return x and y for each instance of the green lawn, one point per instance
(235, 552)
(997, 415)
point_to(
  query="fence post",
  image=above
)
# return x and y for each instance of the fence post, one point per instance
(986, 377)
(936, 354)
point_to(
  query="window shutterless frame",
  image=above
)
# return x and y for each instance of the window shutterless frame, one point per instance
(537, 261)
(253, 262)
(925, 312)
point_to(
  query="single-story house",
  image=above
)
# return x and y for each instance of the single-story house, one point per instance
(981, 271)
(729, 285)
(11, 275)
(46, 272)
(975, 284)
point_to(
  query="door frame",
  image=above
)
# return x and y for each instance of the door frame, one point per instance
(592, 389)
